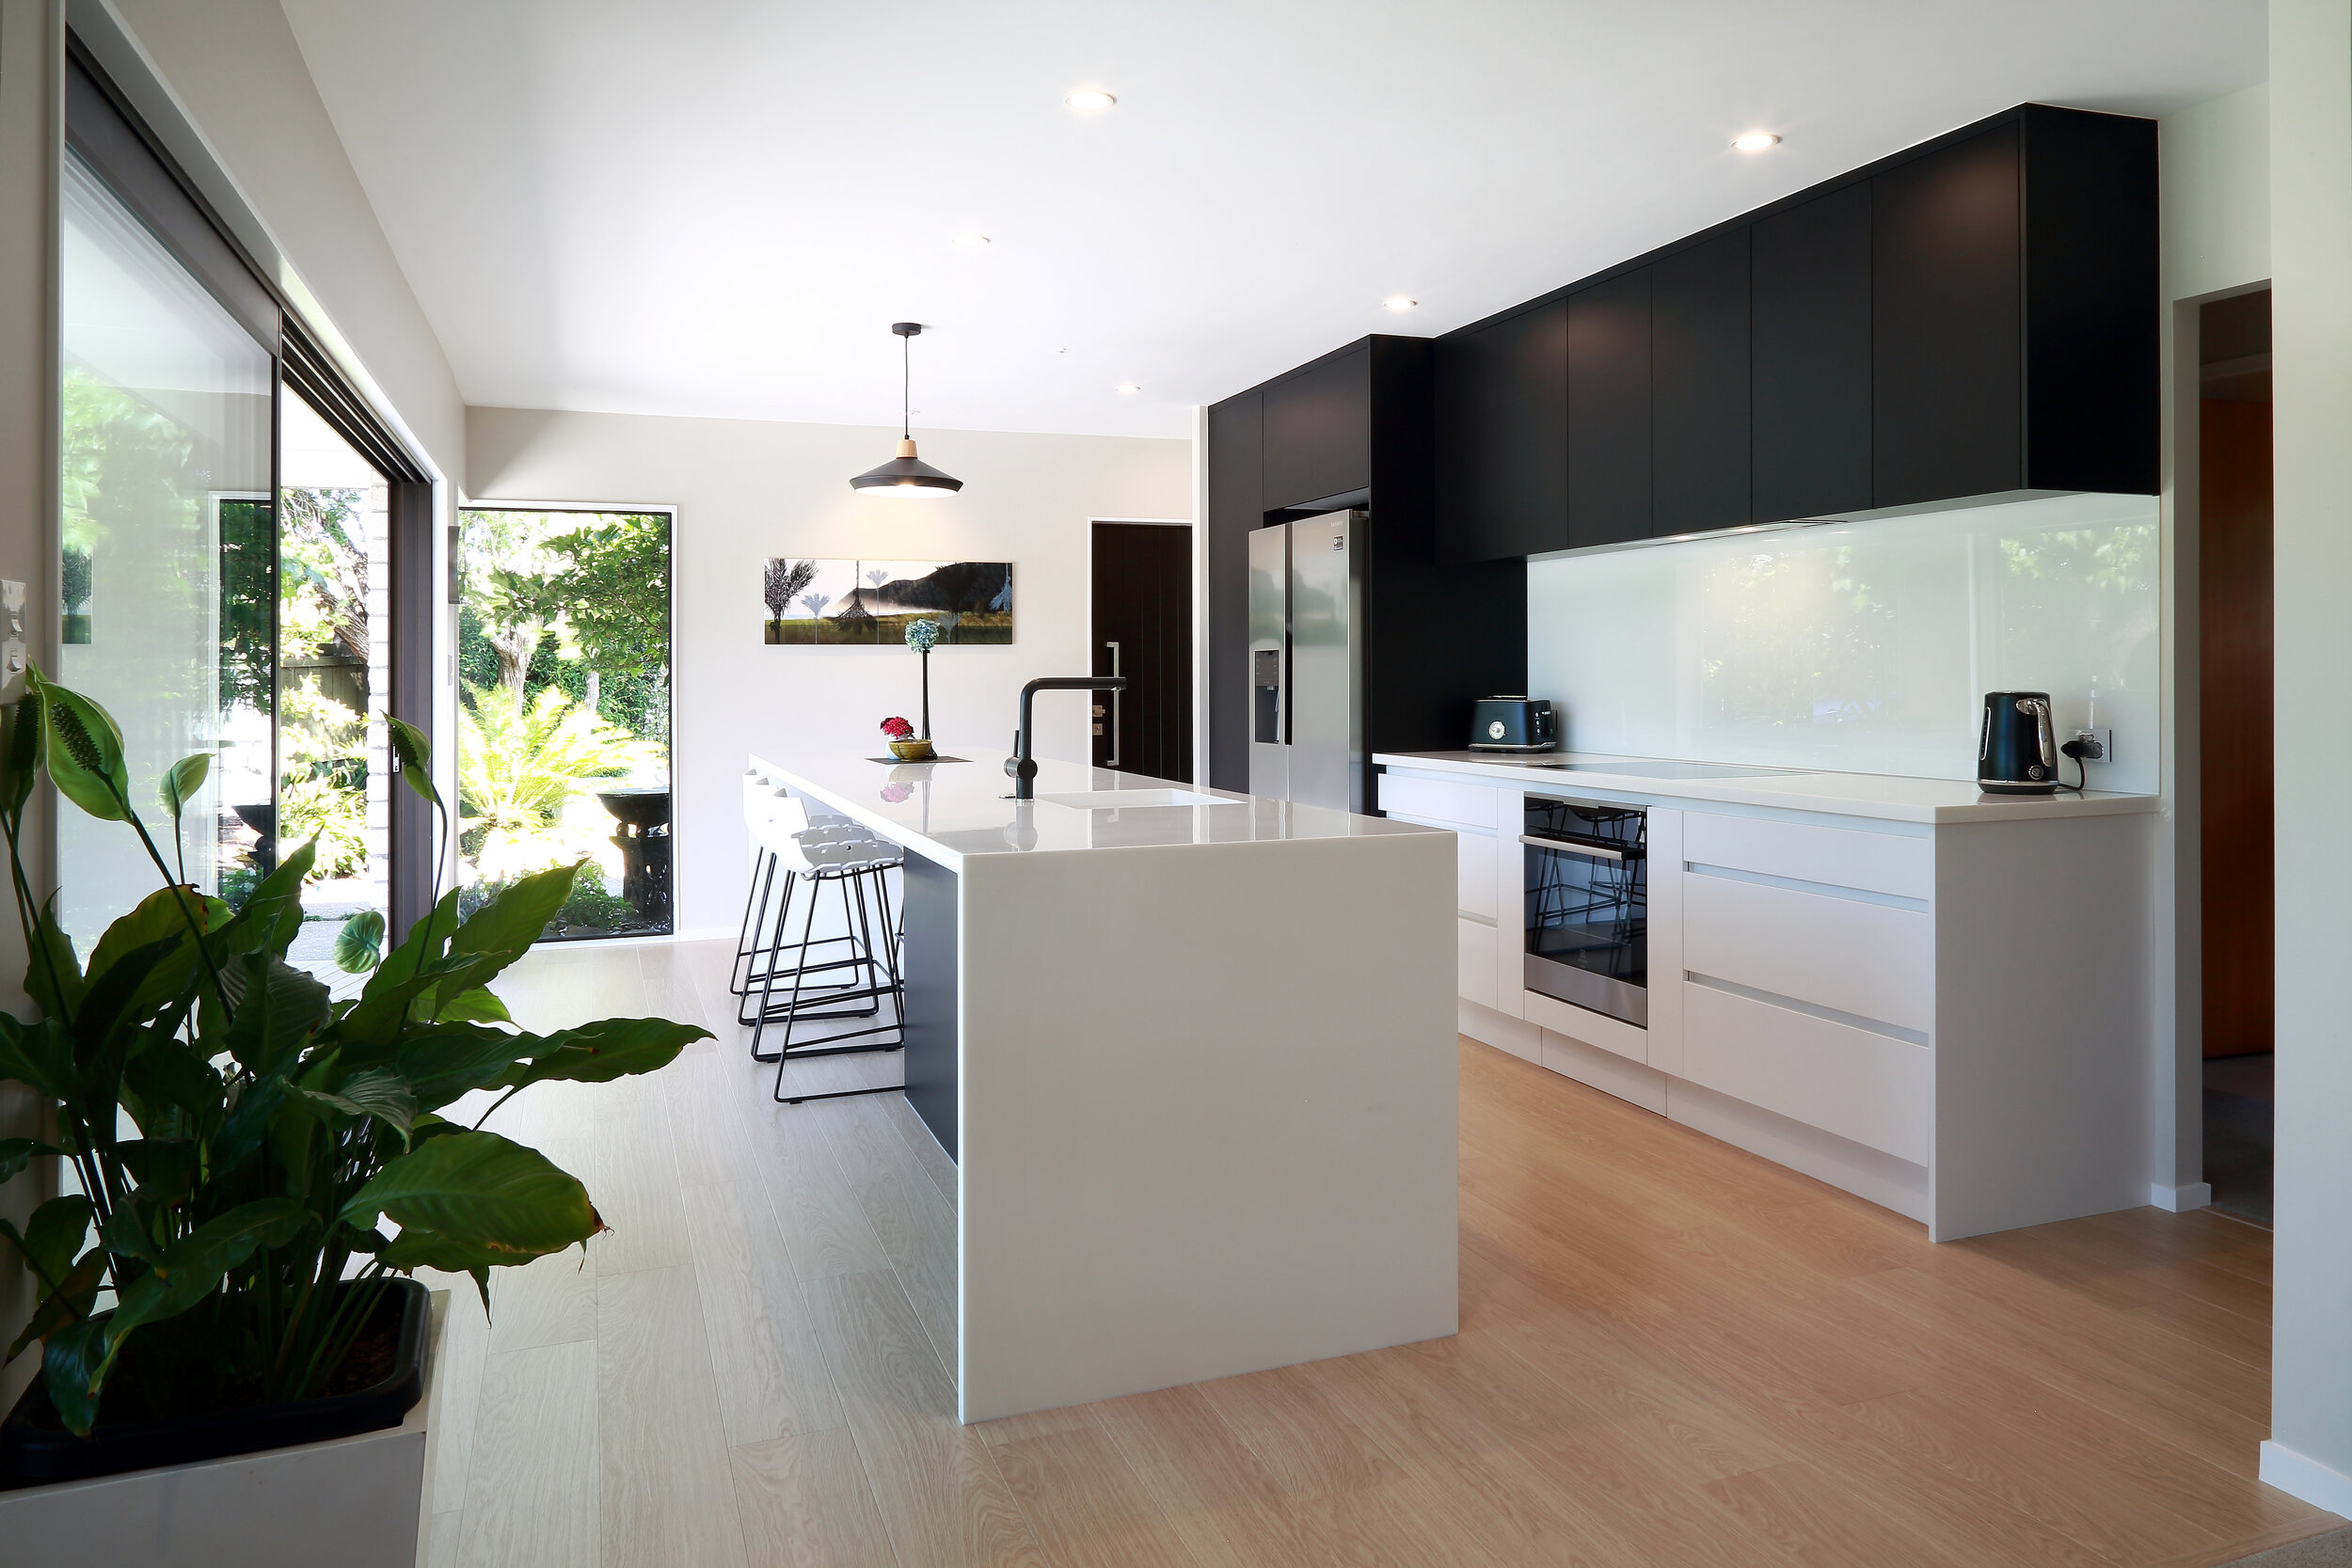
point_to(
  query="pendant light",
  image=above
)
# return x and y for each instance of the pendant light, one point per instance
(905, 474)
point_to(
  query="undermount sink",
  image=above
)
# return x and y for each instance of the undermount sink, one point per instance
(1107, 800)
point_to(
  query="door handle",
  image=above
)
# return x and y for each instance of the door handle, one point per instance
(1591, 851)
(1112, 761)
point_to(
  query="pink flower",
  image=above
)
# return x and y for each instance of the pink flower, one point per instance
(897, 729)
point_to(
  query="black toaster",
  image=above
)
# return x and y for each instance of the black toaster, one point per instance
(1512, 724)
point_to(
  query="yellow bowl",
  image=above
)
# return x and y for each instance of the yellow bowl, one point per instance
(911, 751)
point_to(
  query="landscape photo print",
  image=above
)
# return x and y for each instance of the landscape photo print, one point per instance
(857, 603)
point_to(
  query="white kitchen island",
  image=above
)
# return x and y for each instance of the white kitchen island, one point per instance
(1194, 1057)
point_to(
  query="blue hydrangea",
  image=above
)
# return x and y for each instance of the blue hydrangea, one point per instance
(922, 635)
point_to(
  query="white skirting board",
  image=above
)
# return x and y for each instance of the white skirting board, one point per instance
(2301, 1475)
(2180, 1200)
(1883, 1180)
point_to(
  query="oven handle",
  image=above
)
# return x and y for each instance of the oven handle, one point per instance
(1563, 846)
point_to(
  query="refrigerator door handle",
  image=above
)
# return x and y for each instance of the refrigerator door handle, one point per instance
(1112, 761)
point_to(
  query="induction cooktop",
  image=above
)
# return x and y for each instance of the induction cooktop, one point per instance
(1645, 767)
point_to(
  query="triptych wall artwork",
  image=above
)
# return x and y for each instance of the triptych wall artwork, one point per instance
(869, 603)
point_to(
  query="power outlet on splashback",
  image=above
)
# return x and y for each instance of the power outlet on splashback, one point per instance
(2091, 746)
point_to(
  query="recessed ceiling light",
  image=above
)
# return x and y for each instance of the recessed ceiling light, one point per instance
(1755, 141)
(1400, 302)
(1089, 100)
(1126, 387)
(971, 242)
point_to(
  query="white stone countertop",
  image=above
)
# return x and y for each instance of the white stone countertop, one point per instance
(1884, 796)
(945, 811)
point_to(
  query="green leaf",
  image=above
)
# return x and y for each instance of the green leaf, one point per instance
(374, 1093)
(479, 1188)
(417, 1248)
(478, 1005)
(248, 1122)
(179, 1092)
(84, 752)
(53, 960)
(71, 1299)
(51, 1239)
(510, 923)
(426, 940)
(110, 1008)
(279, 1008)
(181, 783)
(17, 1154)
(21, 754)
(446, 1063)
(360, 945)
(608, 1049)
(414, 755)
(125, 1237)
(273, 911)
(40, 1057)
(72, 1362)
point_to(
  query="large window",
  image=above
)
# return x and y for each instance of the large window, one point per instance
(165, 425)
(563, 718)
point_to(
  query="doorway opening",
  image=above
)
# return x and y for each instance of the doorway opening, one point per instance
(1142, 630)
(564, 713)
(2235, 712)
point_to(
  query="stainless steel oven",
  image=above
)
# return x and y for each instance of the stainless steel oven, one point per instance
(1588, 904)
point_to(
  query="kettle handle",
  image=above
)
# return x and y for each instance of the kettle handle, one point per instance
(2045, 733)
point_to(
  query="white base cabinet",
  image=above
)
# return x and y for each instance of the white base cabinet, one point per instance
(1949, 1019)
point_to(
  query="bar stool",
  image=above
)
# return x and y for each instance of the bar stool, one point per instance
(759, 791)
(858, 863)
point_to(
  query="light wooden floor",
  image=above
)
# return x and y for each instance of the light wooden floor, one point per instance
(1671, 1353)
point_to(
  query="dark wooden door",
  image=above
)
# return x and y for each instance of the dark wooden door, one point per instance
(1143, 631)
(1609, 418)
(1698, 336)
(1318, 431)
(1502, 437)
(1810, 296)
(2234, 583)
(1236, 506)
(1946, 308)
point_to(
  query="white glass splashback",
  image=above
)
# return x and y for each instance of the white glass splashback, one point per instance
(1863, 647)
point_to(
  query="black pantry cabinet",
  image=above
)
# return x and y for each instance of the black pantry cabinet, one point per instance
(1355, 428)
(1977, 316)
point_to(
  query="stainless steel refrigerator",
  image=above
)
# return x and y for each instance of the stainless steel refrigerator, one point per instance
(1306, 665)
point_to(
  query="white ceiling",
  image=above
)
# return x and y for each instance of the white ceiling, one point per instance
(716, 207)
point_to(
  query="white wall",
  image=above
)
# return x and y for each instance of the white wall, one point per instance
(1862, 647)
(746, 491)
(2311, 247)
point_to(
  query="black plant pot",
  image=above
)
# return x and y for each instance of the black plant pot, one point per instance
(36, 1449)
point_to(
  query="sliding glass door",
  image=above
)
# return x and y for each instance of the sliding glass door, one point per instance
(166, 422)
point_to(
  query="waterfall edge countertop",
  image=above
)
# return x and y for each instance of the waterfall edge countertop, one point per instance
(1886, 796)
(1194, 1055)
(945, 811)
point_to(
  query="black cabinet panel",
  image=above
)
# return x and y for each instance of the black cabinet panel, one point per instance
(1502, 437)
(1235, 506)
(1948, 389)
(1698, 319)
(2094, 302)
(1318, 431)
(1609, 411)
(1810, 281)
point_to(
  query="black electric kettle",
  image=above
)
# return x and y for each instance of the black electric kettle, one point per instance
(2017, 752)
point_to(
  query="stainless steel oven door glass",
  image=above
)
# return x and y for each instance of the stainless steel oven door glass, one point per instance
(1588, 904)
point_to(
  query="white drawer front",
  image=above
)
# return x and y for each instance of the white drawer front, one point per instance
(1877, 862)
(1474, 867)
(1464, 804)
(1474, 945)
(1851, 1081)
(1868, 960)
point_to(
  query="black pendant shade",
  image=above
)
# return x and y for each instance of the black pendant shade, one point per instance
(906, 475)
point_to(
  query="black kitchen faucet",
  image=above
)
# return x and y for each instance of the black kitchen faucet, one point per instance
(1021, 766)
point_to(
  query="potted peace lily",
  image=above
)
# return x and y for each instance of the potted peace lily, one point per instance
(260, 1167)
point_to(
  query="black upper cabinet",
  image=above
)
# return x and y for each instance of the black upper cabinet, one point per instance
(1609, 411)
(2091, 292)
(1948, 387)
(1318, 430)
(1698, 345)
(1503, 426)
(1810, 438)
